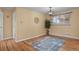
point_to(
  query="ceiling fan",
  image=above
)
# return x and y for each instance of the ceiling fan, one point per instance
(50, 12)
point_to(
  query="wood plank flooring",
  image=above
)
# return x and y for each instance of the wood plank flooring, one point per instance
(11, 45)
(8, 45)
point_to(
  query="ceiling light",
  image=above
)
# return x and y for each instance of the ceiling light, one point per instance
(50, 12)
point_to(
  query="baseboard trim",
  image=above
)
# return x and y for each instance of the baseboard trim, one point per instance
(67, 36)
(7, 38)
(31, 38)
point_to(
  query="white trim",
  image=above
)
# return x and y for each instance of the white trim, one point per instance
(69, 36)
(28, 38)
(14, 25)
(2, 20)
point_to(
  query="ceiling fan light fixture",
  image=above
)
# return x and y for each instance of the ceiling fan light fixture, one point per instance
(50, 12)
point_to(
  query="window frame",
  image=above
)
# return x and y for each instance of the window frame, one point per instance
(65, 21)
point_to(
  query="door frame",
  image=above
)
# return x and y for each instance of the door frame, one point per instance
(2, 25)
(14, 25)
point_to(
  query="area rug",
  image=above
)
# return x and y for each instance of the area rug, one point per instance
(48, 44)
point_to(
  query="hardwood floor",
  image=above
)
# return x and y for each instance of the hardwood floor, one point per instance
(8, 45)
(24, 46)
(71, 45)
(11, 45)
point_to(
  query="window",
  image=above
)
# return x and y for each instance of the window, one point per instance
(56, 20)
(61, 19)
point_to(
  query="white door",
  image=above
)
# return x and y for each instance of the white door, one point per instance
(1, 25)
(14, 25)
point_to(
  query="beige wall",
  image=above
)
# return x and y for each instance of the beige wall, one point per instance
(72, 29)
(7, 24)
(25, 26)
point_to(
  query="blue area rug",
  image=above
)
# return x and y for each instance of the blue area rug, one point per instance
(48, 44)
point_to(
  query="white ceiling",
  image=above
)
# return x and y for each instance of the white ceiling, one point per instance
(8, 8)
(46, 9)
(55, 9)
